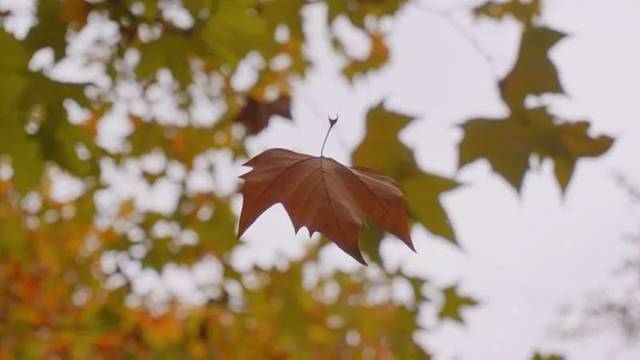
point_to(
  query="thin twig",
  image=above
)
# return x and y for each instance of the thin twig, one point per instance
(632, 190)
(447, 15)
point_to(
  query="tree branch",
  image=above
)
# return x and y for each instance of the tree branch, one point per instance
(447, 15)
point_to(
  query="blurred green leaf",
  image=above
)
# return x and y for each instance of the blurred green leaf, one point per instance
(196, 7)
(236, 29)
(57, 137)
(533, 72)
(358, 10)
(217, 234)
(283, 12)
(51, 29)
(422, 190)
(539, 356)
(523, 11)
(14, 141)
(172, 51)
(534, 132)
(378, 57)
(369, 239)
(454, 303)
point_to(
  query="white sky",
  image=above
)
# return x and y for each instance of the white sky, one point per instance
(523, 256)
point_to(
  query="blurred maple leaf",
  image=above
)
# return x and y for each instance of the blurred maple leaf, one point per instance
(523, 11)
(534, 132)
(533, 72)
(529, 130)
(422, 189)
(256, 114)
(539, 356)
(453, 303)
(378, 57)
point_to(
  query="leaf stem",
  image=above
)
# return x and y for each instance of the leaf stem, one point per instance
(332, 122)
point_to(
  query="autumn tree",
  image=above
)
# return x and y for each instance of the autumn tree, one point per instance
(75, 248)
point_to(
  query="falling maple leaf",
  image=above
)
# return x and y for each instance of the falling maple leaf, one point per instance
(323, 195)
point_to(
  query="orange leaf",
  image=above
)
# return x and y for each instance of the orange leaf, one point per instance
(323, 195)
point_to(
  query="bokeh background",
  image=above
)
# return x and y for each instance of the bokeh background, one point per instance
(125, 125)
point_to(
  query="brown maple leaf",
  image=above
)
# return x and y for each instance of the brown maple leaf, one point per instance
(255, 114)
(323, 195)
